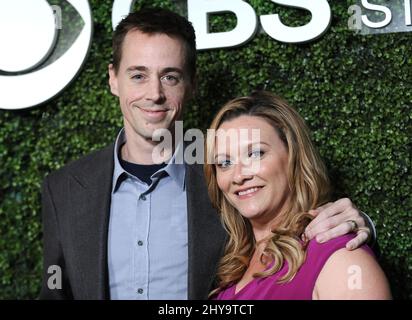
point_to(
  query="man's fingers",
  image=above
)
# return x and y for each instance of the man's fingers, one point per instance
(319, 217)
(330, 233)
(359, 240)
(313, 213)
(321, 208)
(354, 214)
(342, 207)
(316, 227)
(332, 215)
(332, 208)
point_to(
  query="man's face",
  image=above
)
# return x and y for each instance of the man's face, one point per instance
(152, 83)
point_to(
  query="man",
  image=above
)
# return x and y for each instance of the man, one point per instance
(119, 226)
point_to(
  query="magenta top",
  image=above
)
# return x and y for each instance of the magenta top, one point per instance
(301, 286)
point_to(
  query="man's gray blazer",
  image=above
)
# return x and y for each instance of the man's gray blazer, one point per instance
(76, 209)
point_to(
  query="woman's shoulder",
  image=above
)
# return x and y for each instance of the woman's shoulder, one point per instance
(320, 252)
(349, 274)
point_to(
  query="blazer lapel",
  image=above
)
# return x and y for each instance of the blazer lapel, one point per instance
(90, 192)
(207, 237)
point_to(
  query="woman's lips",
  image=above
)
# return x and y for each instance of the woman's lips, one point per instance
(248, 193)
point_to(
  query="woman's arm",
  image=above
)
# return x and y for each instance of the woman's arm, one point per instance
(351, 275)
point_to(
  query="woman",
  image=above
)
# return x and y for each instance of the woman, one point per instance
(264, 176)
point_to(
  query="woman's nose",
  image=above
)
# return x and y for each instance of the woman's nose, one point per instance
(242, 173)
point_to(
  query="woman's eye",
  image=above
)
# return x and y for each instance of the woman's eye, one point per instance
(257, 154)
(224, 164)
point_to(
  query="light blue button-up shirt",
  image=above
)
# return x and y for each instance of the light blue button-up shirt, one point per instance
(147, 244)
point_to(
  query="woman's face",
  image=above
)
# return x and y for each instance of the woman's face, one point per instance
(251, 167)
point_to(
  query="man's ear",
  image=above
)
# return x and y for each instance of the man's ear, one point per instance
(113, 80)
(193, 88)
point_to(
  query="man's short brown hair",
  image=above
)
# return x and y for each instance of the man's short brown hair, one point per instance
(157, 21)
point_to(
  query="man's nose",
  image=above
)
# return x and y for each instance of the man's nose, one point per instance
(155, 91)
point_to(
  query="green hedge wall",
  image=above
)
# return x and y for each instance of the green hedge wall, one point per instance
(354, 91)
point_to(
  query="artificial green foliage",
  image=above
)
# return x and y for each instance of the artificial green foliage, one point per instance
(354, 91)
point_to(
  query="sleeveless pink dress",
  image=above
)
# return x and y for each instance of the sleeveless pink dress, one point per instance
(301, 286)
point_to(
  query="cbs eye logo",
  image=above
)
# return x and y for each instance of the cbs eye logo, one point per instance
(43, 47)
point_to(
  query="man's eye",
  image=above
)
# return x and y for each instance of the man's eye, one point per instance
(170, 79)
(138, 77)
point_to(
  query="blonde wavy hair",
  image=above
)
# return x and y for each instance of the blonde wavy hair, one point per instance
(308, 183)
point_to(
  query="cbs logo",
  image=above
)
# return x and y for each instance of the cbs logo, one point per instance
(44, 47)
(41, 52)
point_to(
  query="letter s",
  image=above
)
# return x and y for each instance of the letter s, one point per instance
(321, 18)
(375, 7)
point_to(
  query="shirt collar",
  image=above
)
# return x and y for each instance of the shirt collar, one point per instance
(173, 168)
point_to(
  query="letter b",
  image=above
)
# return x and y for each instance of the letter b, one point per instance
(198, 11)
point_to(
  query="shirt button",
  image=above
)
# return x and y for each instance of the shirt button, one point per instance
(140, 243)
(140, 291)
(142, 197)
